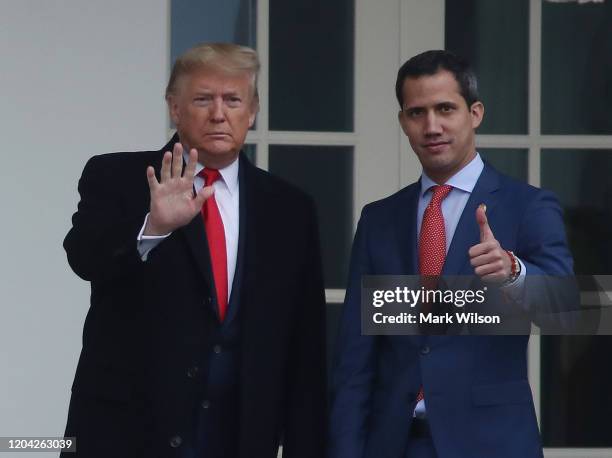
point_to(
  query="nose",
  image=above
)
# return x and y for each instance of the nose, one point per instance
(216, 111)
(432, 125)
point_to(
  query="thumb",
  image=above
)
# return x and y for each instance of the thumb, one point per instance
(204, 194)
(486, 233)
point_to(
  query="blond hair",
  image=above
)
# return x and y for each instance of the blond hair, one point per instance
(228, 58)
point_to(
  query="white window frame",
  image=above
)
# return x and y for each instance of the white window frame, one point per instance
(376, 47)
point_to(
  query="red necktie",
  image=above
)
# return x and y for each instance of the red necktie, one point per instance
(216, 241)
(432, 242)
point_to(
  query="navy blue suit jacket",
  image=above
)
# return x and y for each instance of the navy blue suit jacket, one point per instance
(478, 399)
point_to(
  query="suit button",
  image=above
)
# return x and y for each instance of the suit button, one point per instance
(217, 349)
(176, 442)
(208, 300)
(424, 350)
(205, 404)
(192, 372)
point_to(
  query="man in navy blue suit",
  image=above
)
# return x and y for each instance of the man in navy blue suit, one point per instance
(444, 396)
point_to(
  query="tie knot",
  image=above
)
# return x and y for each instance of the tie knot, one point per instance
(440, 192)
(209, 175)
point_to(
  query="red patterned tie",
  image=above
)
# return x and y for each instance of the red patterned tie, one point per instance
(216, 241)
(432, 242)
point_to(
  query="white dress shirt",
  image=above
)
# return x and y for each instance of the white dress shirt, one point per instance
(227, 192)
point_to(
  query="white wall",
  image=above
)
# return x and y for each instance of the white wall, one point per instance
(77, 78)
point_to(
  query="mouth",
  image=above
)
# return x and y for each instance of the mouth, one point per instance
(436, 147)
(217, 135)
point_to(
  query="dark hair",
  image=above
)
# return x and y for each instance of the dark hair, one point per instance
(430, 63)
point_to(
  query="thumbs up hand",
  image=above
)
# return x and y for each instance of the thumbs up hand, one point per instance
(490, 261)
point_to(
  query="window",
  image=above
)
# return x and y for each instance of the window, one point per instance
(546, 79)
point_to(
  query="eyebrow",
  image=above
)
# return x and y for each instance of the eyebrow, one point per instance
(446, 103)
(210, 92)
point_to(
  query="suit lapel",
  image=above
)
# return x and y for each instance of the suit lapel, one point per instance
(406, 229)
(407, 240)
(194, 234)
(235, 296)
(467, 233)
(255, 314)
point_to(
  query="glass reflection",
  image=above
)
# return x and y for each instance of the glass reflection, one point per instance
(493, 36)
(512, 162)
(576, 378)
(311, 65)
(576, 68)
(326, 173)
(197, 21)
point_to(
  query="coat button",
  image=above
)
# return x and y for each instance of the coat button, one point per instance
(208, 300)
(217, 349)
(192, 372)
(424, 350)
(205, 404)
(176, 442)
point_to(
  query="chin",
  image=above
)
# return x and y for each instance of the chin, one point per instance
(437, 161)
(218, 148)
(217, 156)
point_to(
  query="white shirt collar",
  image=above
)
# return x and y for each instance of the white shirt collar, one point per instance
(228, 173)
(465, 179)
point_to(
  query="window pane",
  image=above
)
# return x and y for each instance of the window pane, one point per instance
(512, 162)
(311, 65)
(326, 173)
(576, 377)
(250, 151)
(581, 179)
(197, 21)
(493, 36)
(576, 68)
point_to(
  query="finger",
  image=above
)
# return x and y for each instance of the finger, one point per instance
(490, 266)
(203, 194)
(482, 248)
(476, 250)
(151, 178)
(191, 164)
(489, 251)
(482, 260)
(165, 169)
(481, 218)
(177, 160)
(489, 269)
(496, 277)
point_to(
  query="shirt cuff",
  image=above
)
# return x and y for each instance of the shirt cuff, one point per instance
(146, 243)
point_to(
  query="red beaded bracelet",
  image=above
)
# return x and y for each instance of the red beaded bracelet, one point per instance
(514, 268)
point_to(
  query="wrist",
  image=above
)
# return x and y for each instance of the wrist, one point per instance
(515, 269)
(153, 229)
